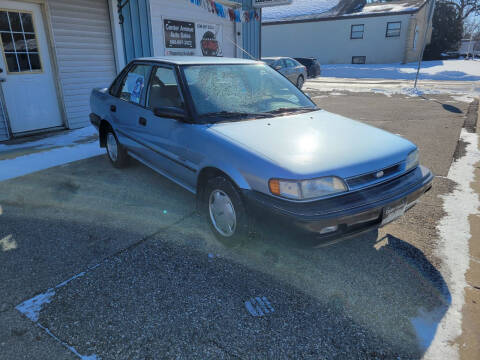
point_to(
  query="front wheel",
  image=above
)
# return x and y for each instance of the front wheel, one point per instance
(300, 81)
(115, 151)
(225, 212)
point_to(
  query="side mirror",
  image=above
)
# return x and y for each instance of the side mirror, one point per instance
(170, 113)
(278, 67)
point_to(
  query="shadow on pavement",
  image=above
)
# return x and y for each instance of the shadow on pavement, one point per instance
(179, 293)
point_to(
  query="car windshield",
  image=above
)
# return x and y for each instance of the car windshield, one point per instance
(237, 91)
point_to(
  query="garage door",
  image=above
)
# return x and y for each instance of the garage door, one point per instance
(84, 50)
(217, 33)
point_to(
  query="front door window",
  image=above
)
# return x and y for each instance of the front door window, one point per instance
(164, 91)
(19, 42)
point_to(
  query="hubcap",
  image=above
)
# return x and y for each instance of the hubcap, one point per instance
(222, 213)
(112, 147)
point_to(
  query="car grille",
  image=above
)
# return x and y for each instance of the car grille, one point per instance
(366, 179)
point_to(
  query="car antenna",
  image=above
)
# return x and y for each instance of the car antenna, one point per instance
(242, 49)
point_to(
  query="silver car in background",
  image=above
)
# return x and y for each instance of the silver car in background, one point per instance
(288, 67)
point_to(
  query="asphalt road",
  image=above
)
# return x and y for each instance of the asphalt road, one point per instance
(151, 282)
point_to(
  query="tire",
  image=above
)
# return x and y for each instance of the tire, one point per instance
(230, 227)
(115, 151)
(300, 82)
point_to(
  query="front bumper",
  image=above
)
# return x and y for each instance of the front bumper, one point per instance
(353, 213)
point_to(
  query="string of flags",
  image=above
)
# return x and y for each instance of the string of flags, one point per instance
(227, 12)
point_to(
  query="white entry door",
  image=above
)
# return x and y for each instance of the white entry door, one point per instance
(27, 76)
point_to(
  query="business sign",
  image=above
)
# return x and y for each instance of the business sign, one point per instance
(179, 34)
(265, 3)
(183, 38)
(209, 39)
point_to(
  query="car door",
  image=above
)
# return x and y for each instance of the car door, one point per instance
(161, 134)
(127, 106)
(292, 70)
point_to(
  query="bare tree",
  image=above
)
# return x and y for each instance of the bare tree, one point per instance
(466, 7)
(471, 28)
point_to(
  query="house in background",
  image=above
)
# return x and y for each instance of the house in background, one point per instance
(469, 47)
(347, 31)
(54, 52)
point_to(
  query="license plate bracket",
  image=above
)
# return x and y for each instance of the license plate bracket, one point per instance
(393, 212)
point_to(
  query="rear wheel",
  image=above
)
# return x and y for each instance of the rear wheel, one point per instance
(225, 212)
(300, 81)
(115, 151)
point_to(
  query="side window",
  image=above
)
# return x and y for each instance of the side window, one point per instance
(164, 90)
(133, 85)
(393, 29)
(356, 31)
(359, 59)
(291, 63)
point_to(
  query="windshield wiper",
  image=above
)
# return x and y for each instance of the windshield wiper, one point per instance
(235, 114)
(284, 110)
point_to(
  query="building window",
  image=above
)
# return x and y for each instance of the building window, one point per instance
(393, 29)
(356, 31)
(359, 59)
(19, 42)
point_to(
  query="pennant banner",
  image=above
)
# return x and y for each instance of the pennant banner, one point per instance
(227, 12)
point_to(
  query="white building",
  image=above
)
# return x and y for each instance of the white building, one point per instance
(347, 31)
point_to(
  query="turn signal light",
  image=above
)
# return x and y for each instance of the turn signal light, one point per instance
(274, 186)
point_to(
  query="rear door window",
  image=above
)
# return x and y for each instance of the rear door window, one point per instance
(132, 88)
(291, 63)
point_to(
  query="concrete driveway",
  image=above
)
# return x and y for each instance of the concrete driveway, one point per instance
(119, 266)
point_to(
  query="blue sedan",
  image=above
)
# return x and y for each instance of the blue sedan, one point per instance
(251, 145)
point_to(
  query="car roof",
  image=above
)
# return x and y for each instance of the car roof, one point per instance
(197, 60)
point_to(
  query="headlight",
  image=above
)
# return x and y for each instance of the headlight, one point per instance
(412, 160)
(307, 189)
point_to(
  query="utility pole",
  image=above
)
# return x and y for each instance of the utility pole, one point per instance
(429, 23)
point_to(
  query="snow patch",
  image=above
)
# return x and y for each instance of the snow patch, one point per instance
(31, 308)
(425, 325)
(62, 139)
(299, 8)
(463, 98)
(27, 164)
(69, 347)
(458, 70)
(454, 229)
(62, 284)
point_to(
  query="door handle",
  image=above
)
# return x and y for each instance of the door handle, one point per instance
(142, 121)
(113, 108)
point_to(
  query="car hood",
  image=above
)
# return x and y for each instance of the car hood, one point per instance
(317, 143)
